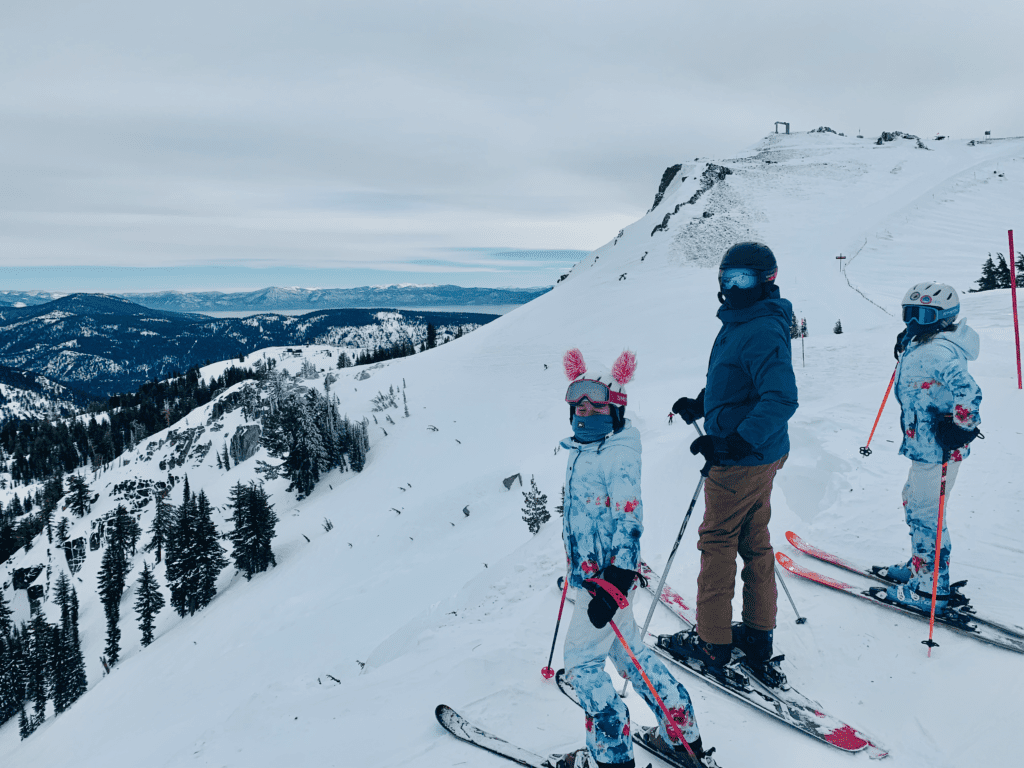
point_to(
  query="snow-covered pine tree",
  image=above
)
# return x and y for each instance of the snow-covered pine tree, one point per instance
(79, 490)
(11, 692)
(307, 454)
(38, 667)
(1002, 272)
(68, 666)
(163, 520)
(5, 617)
(255, 523)
(838, 327)
(112, 577)
(179, 548)
(535, 507)
(148, 603)
(226, 458)
(989, 279)
(24, 725)
(211, 559)
(794, 327)
(560, 509)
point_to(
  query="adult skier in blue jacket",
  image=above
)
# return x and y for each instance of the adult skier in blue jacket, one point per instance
(746, 404)
(601, 527)
(940, 417)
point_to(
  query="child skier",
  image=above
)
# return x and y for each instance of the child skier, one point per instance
(602, 524)
(940, 418)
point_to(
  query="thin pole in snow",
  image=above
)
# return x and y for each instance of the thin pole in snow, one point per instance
(938, 550)
(1013, 293)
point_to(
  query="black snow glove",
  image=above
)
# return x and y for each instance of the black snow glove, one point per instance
(950, 437)
(718, 449)
(603, 606)
(690, 408)
(898, 349)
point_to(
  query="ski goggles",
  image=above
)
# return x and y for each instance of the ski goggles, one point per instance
(925, 315)
(596, 392)
(738, 277)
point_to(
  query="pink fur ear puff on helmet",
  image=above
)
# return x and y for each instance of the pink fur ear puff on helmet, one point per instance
(573, 363)
(624, 368)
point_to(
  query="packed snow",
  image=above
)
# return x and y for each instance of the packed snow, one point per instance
(338, 656)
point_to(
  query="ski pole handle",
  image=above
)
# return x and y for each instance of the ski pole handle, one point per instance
(866, 451)
(547, 673)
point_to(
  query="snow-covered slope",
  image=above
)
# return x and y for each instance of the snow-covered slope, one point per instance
(338, 655)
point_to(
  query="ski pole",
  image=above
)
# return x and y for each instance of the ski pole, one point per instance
(865, 451)
(935, 566)
(668, 566)
(799, 619)
(547, 673)
(670, 724)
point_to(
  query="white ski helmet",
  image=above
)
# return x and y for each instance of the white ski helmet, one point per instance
(931, 305)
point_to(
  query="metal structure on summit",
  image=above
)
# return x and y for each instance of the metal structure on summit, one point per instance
(778, 123)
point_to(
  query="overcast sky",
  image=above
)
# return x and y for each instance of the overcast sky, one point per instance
(441, 141)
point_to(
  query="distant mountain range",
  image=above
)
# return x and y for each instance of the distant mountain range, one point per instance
(104, 345)
(269, 299)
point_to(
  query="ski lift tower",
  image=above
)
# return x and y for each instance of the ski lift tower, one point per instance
(778, 123)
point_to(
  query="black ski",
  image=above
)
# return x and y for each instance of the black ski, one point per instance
(462, 729)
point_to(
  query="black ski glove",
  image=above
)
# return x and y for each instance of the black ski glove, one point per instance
(950, 437)
(898, 349)
(690, 408)
(717, 449)
(603, 606)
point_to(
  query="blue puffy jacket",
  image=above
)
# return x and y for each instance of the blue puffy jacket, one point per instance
(603, 515)
(931, 381)
(751, 389)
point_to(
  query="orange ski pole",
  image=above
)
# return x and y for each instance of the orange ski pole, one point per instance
(935, 566)
(670, 724)
(865, 451)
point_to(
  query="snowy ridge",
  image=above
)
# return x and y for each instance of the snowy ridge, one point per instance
(339, 655)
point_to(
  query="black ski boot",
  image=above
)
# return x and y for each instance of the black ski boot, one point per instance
(687, 645)
(756, 645)
(651, 737)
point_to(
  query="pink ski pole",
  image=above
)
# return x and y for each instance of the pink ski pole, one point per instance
(548, 672)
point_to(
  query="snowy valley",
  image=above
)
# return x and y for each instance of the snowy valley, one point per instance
(426, 585)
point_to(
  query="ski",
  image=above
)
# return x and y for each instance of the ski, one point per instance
(964, 610)
(462, 729)
(960, 623)
(635, 730)
(786, 705)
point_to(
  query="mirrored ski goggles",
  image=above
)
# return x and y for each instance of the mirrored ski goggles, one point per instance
(737, 277)
(927, 315)
(595, 391)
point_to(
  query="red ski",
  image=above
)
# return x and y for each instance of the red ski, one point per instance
(876, 595)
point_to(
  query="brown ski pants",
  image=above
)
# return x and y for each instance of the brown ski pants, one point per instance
(736, 523)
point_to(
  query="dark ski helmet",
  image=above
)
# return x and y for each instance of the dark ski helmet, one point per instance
(759, 262)
(750, 255)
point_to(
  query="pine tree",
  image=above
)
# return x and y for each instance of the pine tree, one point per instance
(211, 555)
(535, 509)
(180, 554)
(5, 616)
(1002, 272)
(11, 693)
(79, 490)
(254, 522)
(163, 520)
(803, 327)
(77, 682)
(148, 603)
(226, 458)
(988, 280)
(39, 652)
(124, 533)
(838, 327)
(307, 455)
(24, 726)
(794, 328)
(431, 336)
(560, 509)
(68, 667)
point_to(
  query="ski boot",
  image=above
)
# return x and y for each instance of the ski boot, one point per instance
(687, 646)
(756, 645)
(579, 758)
(677, 755)
(906, 597)
(895, 574)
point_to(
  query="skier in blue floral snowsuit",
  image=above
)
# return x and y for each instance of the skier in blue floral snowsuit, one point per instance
(940, 417)
(602, 523)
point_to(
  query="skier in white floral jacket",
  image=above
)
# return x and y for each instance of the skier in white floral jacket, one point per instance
(941, 415)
